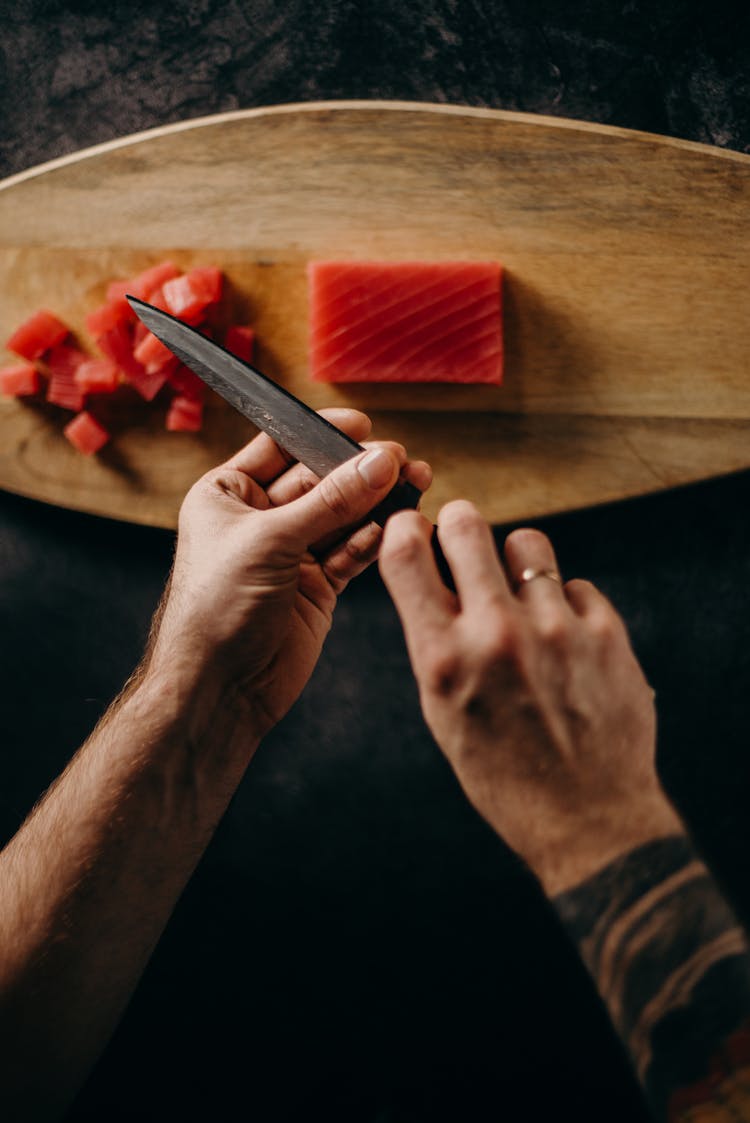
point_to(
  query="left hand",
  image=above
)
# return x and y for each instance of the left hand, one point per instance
(263, 550)
(533, 692)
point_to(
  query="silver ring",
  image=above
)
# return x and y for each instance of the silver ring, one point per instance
(532, 574)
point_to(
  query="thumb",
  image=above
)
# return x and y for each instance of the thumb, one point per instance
(342, 498)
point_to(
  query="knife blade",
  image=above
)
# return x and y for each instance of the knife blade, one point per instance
(302, 432)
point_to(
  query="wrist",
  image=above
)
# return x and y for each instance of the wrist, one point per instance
(582, 846)
(200, 711)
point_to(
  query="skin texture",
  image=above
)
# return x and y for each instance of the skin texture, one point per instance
(532, 691)
(250, 618)
(536, 699)
(89, 881)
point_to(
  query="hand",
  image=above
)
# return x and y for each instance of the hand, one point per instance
(263, 550)
(536, 698)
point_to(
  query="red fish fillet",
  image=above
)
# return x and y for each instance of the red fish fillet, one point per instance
(405, 321)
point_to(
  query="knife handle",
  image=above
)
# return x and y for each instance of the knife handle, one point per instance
(405, 496)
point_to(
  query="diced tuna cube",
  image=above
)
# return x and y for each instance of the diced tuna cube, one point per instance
(188, 296)
(184, 414)
(145, 283)
(63, 362)
(187, 383)
(108, 316)
(97, 376)
(117, 291)
(148, 385)
(117, 344)
(37, 334)
(152, 353)
(241, 342)
(207, 282)
(20, 381)
(86, 433)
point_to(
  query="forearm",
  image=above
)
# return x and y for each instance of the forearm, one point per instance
(671, 963)
(90, 880)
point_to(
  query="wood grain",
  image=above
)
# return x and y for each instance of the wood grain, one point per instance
(627, 259)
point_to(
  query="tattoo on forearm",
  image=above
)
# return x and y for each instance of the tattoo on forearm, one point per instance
(671, 962)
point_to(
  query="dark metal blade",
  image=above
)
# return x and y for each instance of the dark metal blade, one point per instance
(302, 432)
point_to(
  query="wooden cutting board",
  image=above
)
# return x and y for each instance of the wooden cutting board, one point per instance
(626, 292)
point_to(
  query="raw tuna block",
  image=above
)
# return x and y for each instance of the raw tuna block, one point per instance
(389, 321)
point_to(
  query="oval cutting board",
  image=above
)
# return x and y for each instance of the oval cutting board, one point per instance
(628, 269)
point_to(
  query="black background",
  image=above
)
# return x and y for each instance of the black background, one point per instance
(356, 944)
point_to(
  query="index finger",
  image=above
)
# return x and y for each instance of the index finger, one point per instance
(264, 459)
(407, 565)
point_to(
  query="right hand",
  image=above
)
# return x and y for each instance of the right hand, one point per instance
(263, 551)
(536, 698)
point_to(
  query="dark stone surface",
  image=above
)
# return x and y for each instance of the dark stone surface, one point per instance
(356, 945)
(73, 74)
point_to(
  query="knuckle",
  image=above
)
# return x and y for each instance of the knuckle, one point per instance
(442, 674)
(334, 497)
(226, 480)
(582, 586)
(336, 574)
(305, 480)
(528, 536)
(460, 517)
(553, 629)
(202, 486)
(403, 540)
(500, 643)
(605, 626)
(361, 548)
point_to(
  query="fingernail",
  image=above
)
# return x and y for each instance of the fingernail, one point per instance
(376, 469)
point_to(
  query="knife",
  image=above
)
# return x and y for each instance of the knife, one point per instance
(302, 432)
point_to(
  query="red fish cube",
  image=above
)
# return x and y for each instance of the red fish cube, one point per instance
(117, 344)
(188, 296)
(148, 385)
(206, 281)
(241, 342)
(146, 283)
(37, 334)
(108, 316)
(117, 291)
(152, 353)
(86, 433)
(187, 383)
(97, 376)
(20, 381)
(184, 414)
(63, 362)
